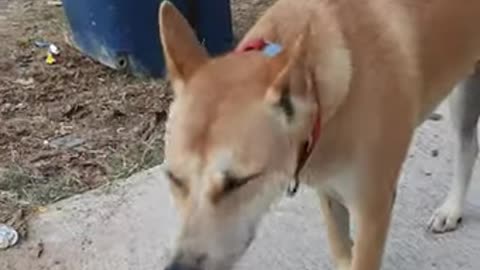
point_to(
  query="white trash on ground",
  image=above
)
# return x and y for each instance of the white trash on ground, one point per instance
(8, 236)
(53, 49)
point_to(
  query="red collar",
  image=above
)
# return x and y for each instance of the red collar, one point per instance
(304, 154)
(253, 45)
(308, 146)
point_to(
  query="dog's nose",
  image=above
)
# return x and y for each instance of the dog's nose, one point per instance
(180, 266)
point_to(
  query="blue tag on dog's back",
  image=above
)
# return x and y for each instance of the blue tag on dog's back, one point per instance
(272, 49)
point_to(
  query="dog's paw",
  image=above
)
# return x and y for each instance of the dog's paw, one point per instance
(447, 218)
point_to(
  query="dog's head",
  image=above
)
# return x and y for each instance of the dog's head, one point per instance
(232, 143)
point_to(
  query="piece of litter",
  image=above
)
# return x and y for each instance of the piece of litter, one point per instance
(53, 49)
(20, 106)
(25, 82)
(50, 60)
(8, 236)
(42, 209)
(435, 153)
(54, 3)
(41, 43)
(66, 142)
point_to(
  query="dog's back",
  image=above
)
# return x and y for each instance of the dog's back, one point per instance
(445, 53)
(426, 37)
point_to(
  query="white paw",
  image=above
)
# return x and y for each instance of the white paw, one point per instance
(447, 218)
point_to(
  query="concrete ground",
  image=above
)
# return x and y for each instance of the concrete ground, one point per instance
(130, 226)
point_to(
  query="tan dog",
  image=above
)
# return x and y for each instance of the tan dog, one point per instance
(367, 72)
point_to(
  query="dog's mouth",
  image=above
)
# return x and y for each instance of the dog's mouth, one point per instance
(202, 261)
(205, 265)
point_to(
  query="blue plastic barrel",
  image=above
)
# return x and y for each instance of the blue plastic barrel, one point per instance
(124, 35)
(212, 20)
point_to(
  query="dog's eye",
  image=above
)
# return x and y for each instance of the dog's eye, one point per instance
(232, 182)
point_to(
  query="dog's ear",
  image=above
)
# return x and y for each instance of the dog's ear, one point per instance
(293, 81)
(289, 78)
(182, 51)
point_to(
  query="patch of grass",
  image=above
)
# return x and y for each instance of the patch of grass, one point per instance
(9, 204)
(139, 156)
(34, 190)
(21, 192)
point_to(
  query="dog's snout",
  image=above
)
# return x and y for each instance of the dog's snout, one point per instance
(180, 266)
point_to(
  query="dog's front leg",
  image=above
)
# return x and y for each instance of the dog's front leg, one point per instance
(338, 225)
(372, 217)
(372, 203)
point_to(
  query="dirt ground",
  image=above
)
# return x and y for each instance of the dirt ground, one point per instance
(74, 125)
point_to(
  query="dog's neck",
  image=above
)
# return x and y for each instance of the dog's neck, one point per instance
(307, 144)
(327, 57)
